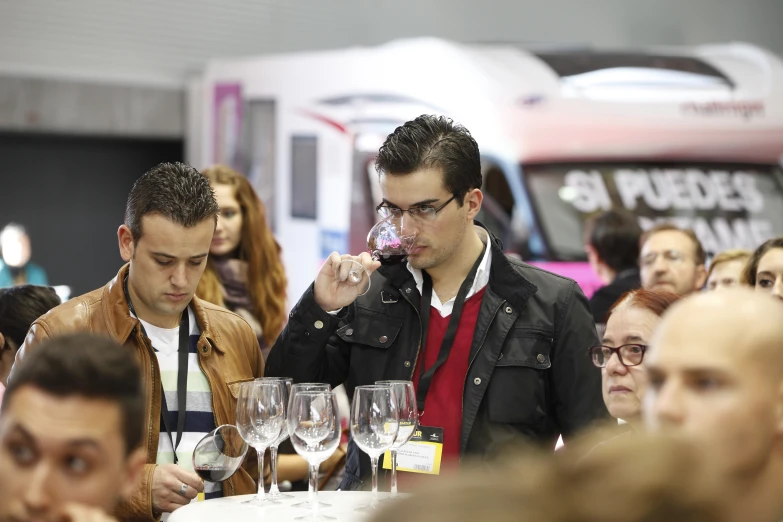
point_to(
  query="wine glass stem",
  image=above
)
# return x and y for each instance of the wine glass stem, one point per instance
(260, 494)
(394, 473)
(374, 502)
(314, 489)
(273, 489)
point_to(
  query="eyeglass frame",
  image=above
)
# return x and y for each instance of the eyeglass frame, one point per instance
(391, 210)
(671, 255)
(616, 351)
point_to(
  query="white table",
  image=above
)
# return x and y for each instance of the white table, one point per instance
(343, 504)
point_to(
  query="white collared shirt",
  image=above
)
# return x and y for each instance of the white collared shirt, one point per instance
(481, 280)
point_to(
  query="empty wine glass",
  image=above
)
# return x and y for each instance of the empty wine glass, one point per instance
(374, 426)
(314, 427)
(307, 387)
(389, 242)
(274, 491)
(219, 453)
(409, 418)
(260, 418)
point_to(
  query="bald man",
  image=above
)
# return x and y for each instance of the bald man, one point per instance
(715, 368)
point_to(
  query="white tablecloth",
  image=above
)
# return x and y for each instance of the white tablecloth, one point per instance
(343, 504)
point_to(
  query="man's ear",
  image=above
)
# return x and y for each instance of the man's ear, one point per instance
(134, 467)
(125, 239)
(473, 200)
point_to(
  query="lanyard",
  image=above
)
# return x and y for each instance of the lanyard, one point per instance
(425, 378)
(182, 375)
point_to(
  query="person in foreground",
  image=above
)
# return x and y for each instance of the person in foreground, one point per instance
(193, 354)
(71, 432)
(716, 375)
(497, 349)
(635, 479)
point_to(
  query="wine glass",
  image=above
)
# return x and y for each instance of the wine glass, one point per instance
(307, 387)
(374, 426)
(219, 453)
(274, 491)
(389, 242)
(260, 418)
(314, 427)
(409, 418)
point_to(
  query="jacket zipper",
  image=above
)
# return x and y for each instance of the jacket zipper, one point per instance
(421, 326)
(462, 402)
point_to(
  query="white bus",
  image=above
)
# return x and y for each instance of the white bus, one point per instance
(693, 135)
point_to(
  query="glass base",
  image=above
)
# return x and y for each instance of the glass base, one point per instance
(317, 517)
(280, 496)
(371, 508)
(309, 505)
(266, 501)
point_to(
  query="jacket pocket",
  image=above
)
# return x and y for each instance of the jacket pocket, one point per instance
(517, 388)
(371, 330)
(233, 386)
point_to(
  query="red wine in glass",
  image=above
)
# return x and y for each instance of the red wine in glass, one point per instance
(214, 473)
(219, 453)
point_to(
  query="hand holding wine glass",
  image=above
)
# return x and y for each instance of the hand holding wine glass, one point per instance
(335, 287)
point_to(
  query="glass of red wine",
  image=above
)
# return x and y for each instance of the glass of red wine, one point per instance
(219, 454)
(388, 242)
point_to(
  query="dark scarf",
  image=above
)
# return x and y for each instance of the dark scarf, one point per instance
(232, 274)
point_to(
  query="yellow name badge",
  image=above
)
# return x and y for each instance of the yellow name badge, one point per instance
(421, 454)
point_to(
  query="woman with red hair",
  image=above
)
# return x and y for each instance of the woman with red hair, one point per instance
(631, 323)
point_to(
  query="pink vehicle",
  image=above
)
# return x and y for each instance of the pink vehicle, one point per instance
(693, 135)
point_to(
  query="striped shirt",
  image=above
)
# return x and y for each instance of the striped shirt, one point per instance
(200, 419)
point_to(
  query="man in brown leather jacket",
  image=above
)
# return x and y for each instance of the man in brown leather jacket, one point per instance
(150, 307)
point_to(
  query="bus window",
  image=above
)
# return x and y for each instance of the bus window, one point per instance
(727, 205)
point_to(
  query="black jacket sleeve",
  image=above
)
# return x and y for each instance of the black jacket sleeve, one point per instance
(308, 349)
(576, 382)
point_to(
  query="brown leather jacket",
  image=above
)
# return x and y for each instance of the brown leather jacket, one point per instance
(228, 355)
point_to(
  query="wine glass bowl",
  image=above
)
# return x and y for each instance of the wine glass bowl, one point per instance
(314, 428)
(388, 242)
(374, 426)
(219, 454)
(260, 419)
(408, 421)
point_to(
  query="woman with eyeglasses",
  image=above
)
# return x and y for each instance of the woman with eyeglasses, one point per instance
(631, 323)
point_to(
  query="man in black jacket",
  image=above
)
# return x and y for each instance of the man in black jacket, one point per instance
(612, 245)
(497, 349)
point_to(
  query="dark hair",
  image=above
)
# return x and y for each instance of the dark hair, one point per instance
(748, 276)
(656, 301)
(701, 255)
(615, 237)
(433, 141)
(88, 366)
(176, 191)
(20, 306)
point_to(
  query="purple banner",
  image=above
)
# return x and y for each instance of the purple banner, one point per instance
(227, 123)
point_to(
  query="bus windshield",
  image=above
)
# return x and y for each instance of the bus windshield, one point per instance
(727, 205)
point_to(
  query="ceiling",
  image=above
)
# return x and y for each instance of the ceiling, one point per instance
(163, 41)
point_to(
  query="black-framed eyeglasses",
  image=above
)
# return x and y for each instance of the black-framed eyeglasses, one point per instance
(629, 354)
(419, 212)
